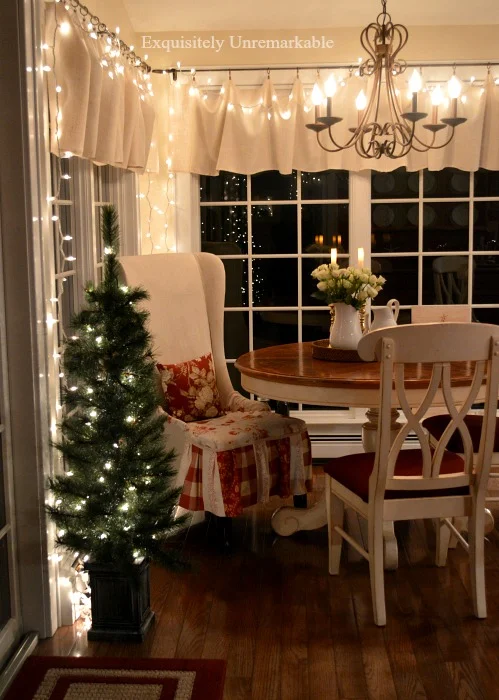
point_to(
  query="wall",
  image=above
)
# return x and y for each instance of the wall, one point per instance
(114, 14)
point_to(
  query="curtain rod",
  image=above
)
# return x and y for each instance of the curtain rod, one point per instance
(349, 66)
(101, 29)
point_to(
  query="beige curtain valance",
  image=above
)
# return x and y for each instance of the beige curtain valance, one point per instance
(248, 130)
(100, 105)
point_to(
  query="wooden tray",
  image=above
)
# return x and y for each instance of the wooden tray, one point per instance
(322, 351)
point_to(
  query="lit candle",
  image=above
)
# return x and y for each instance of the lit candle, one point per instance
(330, 90)
(414, 87)
(361, 104)
(454, 90)
(339, 240)
(334, 255)
(360, 257)
(321, 239)
(436, 101)
(317, 98)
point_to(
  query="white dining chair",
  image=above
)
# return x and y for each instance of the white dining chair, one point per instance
(447, 313)
(430, 482)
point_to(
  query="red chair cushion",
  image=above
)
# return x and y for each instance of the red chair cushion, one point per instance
(190, 389)
(353, 471)
(437, 424)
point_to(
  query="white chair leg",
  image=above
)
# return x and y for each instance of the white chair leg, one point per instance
(443, 538)
(476, 539)
(376, 571)
(335, 516)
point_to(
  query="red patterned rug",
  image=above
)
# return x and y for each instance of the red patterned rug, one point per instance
(70, 678)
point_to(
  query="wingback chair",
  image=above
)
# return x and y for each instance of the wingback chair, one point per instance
(248, 454)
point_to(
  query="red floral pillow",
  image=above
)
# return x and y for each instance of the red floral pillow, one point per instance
(190, 389)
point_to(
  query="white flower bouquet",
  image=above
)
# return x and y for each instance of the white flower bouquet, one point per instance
(350, 285)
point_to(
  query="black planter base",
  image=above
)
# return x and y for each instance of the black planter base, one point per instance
(120, 602)
(121, 635)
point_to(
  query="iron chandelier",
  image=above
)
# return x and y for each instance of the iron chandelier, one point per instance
(395, 137)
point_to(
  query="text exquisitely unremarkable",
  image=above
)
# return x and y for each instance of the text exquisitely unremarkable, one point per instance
(212, 43)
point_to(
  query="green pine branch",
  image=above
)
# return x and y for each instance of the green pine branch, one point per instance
(115, 501)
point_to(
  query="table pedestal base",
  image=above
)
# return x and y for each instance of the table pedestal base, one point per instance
(287, 520)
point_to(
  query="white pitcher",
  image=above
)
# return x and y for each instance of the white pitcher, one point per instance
(385, 315)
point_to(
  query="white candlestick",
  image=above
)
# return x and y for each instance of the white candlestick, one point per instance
(360, 257)
(334, 255)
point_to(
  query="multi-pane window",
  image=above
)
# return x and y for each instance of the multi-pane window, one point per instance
(271, 231)
(435, 237)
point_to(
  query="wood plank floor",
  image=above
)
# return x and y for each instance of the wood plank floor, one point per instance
(289, 631)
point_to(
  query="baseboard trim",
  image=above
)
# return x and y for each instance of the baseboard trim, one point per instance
(25, 649)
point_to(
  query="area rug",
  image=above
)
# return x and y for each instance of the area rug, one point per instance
(70, 678)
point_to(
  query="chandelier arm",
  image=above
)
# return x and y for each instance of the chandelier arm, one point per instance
(426, 146)
(378, 90)
(446, 143)
(338, 147)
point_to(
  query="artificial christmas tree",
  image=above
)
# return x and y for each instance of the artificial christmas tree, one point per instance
(114, 504)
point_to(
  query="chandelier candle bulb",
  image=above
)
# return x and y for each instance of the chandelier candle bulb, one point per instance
(317, 98)
(415, 84)
(330, 88)
(334, 256)
(436, 101)
(361, 103)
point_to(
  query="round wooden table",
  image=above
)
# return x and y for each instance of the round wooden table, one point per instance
(289, 373)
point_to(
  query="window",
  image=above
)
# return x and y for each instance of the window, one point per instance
(435, 237)
(81, 190)
(271, 231)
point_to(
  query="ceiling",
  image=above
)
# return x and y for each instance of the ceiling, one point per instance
(219, 15)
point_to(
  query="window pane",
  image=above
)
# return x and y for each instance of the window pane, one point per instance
(5, 611)
(67, 302)
(236, 282)
(324, 226)
(224, 230)
(275, 282)
(448, 182)
(394, 228)
(3, 514)
(236, 334)
(486, 226)
(486, 315)
(485, 287)
(226, 187)
(401, 279)
(315, 325)
(309, 284)
(274, 229)
(446, 226)
(102, 183)
(486, 183)
(99, 244)
(235, 377)
(274, 328)
(445, 279)
(395, 185)
(328, 184)
(272, 185)
(63, 248)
